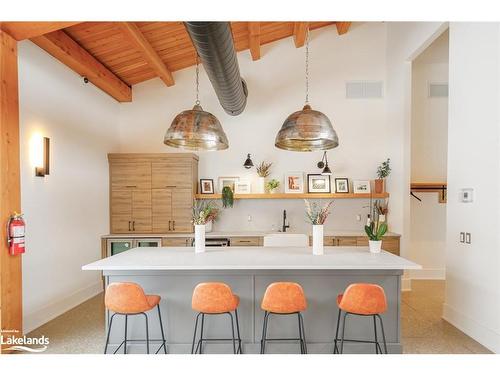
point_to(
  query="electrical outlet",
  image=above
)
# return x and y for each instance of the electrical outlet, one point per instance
(462, 237)
(249, 218)
(358, 217)
(467, 238)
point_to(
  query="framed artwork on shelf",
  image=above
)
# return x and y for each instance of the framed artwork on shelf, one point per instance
(228, 181)
(342, 185)
(206, 186)
(243, 187)
(294, 183)
(317, 183)
(361, 186)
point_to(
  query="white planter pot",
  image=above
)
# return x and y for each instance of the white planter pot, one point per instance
(199, 238)
(261, 185)
(318, 248)
(375, 246)
(209, 226)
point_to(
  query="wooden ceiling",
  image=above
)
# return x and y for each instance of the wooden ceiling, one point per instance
(116, 55)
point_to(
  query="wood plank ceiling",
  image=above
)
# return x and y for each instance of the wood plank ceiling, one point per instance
(117, 55)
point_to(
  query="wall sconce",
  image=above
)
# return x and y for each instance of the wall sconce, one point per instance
(248, 163)
(324, 164)
(42, 157)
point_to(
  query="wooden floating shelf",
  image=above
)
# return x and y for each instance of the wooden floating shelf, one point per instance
(298, 196)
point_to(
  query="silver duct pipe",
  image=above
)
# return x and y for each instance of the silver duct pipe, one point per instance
(213, 42)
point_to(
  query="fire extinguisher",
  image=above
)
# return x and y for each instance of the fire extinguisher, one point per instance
(15, 234)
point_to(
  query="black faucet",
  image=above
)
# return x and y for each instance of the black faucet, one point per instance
(285, 226)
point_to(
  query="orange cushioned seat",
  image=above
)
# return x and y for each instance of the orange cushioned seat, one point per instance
(284, 298)
(363, 299)
(129, 298)
(214, 298)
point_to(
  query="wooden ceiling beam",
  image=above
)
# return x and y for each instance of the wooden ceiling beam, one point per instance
(65, 49)
(254, 39)
(342, 27)
(299, 33)
(135, 36)
(26, 30)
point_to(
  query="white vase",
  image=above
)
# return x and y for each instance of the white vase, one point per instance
(381, 218)
(199, 238)
(209, 226)
(261, 185)
(375, 246)
(318, 240)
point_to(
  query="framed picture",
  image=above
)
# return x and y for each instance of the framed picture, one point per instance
(294, 182)
(243, 187)
(361, 186)
(228, 181)
(317, 183)
(342, 185)
(206, 186)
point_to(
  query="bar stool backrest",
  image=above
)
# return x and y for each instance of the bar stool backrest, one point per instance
(126, 298)
(364, 299)
(213, 298)
(284, 298)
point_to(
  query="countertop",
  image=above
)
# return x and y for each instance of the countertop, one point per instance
(250, 258)
(339, 233)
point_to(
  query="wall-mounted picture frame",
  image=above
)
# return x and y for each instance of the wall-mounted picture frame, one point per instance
(318, 183)
(342, 185)
(206, 186)
(243, 187)
(227, 181)
(294, 183)
(361, 187)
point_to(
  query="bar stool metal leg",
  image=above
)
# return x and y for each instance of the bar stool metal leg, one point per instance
(125, 342)
(383, 333)
(194, 334)
(109, 331)
(232, 331)
(201, 333)
(301, 341)
(147, 333)
(342, 334)
(335, 342)
(264, 333)
(238, 331)
(303, 332)
(164, 344)
(375, 331)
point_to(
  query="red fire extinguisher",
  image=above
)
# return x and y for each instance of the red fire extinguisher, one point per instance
(15, 234)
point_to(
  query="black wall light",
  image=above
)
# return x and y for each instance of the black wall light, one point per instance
(324, 165)
(43, 170)
(248, 163)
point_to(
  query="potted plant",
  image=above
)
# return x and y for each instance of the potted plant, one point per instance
(227, 197)
(383, 171)
(375, 232)
(317, 216)
(272, 186)
(263, 170)
(203, 212)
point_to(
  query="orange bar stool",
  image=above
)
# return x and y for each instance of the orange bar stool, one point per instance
(214, 299)
(363, 300)
(129, 299)
(284, 298)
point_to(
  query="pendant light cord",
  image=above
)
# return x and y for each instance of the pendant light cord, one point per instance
(197, 81)
(307, 65)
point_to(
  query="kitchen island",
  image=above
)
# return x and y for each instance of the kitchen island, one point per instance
(173, 272)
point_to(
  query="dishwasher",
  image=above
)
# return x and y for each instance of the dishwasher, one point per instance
(215, 242)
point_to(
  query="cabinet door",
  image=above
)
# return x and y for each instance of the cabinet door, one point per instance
(362, 241)
(174, 174)
(141, 211)
(162, 210)
(391, 244)
(130, 175)
(176, 241)
(346, 241)
(182, 205)
(121, 211)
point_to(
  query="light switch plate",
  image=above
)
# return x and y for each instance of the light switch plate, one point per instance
(462, 237)
(467, 195)
(467, 238)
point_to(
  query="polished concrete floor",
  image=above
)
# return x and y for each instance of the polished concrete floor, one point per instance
(81, 330)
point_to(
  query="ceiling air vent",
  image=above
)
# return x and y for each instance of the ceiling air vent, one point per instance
(438, 90)
(364, 89)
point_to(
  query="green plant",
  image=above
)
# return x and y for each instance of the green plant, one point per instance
(272, 185)
(375, 230)
(227, 197)
(315, 214)
(204, 212)
(264, 169)
(384, 169)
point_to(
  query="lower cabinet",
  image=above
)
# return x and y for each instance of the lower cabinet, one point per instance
(176, 241)
(389, 243)
(246, 241)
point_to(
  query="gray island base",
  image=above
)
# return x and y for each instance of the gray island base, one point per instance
(173, 272)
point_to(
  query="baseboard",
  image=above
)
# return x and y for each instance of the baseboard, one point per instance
(428, 274)
(41, 316)
(405, 284)
(484, 335)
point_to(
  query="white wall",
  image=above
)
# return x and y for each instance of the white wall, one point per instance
(472, 271)
(276, 89)
(429, 142)
(67, 211)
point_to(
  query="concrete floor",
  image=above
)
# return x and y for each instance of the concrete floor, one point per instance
(81, 330)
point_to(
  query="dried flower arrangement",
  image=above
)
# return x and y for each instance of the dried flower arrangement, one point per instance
(315, 214)
(204, 212)
(264, 169)
(382, 208)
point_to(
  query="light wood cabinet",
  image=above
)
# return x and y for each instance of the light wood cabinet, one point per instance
(176, 241)
(152, 193)
(389, 243)
(246, 241)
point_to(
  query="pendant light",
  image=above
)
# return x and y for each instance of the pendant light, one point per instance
(196, 129)
(323, 164)
(248, 162)
(307, 130)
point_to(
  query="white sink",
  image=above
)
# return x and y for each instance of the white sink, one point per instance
(286, 239)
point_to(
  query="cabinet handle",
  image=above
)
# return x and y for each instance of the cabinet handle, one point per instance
(131, 186)
(170, 186)
(169, 228)
(129, 229)
(133, 225)
(173, 225)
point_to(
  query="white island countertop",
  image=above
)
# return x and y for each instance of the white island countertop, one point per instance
(250, 258)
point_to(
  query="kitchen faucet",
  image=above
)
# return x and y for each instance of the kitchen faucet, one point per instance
(285, 225)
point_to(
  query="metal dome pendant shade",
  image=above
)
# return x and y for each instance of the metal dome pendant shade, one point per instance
(196, 129)
(308, 129)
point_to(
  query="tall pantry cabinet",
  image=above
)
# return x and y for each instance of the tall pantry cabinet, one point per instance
(152, 193)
